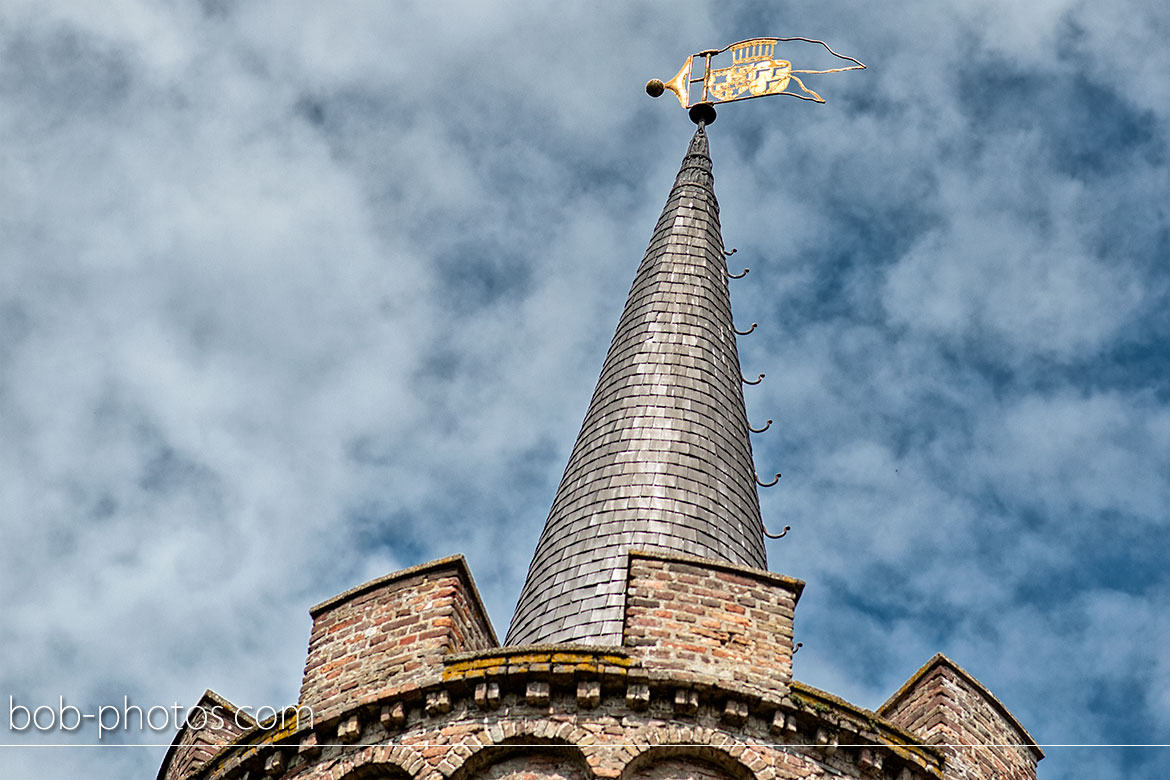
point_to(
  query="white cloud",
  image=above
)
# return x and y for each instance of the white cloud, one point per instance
(291, 295)
(1101, 453)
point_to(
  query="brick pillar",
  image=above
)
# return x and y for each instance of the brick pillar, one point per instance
(712, 618)
(371, 640)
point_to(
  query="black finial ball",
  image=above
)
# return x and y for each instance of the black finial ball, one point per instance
(655, 87)
(702, 113)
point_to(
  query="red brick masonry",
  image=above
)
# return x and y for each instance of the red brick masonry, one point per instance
(405, 679)
(711, 619)
(392, 632)
(947, 706)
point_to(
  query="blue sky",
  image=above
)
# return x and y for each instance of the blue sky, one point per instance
(293, 295)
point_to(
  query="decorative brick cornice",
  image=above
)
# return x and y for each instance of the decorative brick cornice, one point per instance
(541, 683)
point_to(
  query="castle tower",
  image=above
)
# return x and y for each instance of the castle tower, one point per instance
(663, 461)
(650, 643)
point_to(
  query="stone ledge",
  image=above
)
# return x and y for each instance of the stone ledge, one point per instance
(849, 717)
(567, 650)
(782, 580)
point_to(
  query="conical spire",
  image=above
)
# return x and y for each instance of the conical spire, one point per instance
(663, 461)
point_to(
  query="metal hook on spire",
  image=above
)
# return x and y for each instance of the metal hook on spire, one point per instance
(767, 484)
(780, 535)
(730, 252)
(758, 379)
(767, 425)
(739, 332)
(730, 275)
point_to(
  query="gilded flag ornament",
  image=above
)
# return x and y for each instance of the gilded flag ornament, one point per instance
(754, 72)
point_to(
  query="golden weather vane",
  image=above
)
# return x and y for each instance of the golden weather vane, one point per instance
(754, 72)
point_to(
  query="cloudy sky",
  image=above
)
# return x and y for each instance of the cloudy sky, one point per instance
(296, 294)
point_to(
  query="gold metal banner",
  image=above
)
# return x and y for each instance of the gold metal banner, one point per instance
(754, 72)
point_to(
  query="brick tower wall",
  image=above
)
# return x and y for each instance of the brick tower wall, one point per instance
(709, 618)
(390, 634)
(404, 678)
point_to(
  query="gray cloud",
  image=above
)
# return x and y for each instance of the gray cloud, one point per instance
(292, 295)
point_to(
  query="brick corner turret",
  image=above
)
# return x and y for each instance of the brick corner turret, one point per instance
(209, 725)
(392, 632)
(945, 705)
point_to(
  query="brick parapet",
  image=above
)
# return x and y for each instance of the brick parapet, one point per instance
(209, 725)
(712, 620)
(404, 671)
(946, 706)
(603, 700)
(391, 634)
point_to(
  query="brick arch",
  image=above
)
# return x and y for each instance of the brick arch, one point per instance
(554, 762)
(512, 740)
(376, 771)
(375, 762)
(713, 755)
(685, 762)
